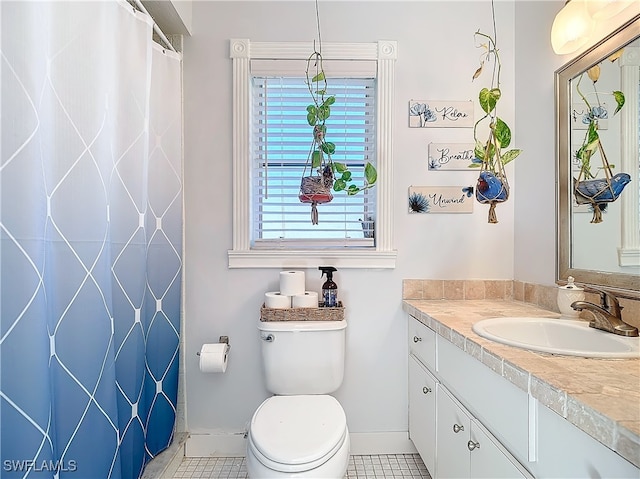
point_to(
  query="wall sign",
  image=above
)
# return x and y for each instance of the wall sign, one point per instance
(440, 114)
(580, 116)
(441, 199)
(450, 156)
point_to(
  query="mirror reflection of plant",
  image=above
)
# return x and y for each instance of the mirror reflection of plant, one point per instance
(321, 150)
(591, 142)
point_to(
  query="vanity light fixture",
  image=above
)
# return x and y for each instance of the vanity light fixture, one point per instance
(604, 9)
(572, 27)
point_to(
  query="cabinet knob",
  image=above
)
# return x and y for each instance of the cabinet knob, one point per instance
(473, 445)
(416, 339)
(457, 428)
(426, 390)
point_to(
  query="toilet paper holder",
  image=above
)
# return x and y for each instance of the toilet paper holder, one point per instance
(222, 339)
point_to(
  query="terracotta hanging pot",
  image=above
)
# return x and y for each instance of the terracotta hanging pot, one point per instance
(316, 190)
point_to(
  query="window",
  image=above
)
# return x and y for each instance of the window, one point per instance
(270, 148)
(281, 138)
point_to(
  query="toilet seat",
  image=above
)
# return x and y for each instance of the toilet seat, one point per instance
(297, 433)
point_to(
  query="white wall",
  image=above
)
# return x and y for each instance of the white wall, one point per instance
(436, 60)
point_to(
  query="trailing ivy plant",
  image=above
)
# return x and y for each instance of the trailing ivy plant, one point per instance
(321, 150)
(488, 153)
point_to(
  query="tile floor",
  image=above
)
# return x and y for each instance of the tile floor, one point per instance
(360, 467)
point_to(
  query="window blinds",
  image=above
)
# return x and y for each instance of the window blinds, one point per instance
(281, 141)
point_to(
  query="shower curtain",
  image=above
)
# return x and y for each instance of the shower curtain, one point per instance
(90, 240)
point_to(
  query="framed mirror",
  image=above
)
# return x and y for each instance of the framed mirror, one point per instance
(604, 254)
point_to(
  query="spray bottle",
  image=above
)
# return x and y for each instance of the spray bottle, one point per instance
(329, 288)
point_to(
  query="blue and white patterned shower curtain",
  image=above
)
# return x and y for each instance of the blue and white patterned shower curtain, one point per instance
(91, 240)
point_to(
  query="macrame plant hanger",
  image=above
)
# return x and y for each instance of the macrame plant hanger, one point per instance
(500, 174)
(596, 200)
(316, 188)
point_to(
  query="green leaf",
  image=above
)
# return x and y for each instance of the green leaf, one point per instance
(619, 97)
(346, 176)
(311, 109)
(330, 100)
(340, 167)
(328, 147)
(370, 173)
(339, 185)
(316, 159)
(318, 77)
(311, 119)
(353, 189)
(324, 112)
(479, 151)
(489, 98)
(474, 165)
(503, 133)
(592, 146)
(510, 155)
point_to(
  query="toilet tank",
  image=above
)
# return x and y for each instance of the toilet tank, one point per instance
(303, 357)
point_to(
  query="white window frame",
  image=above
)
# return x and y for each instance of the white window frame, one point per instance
(242, 51)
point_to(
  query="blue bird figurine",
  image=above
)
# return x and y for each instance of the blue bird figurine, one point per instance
(599, 191)
(490, 188)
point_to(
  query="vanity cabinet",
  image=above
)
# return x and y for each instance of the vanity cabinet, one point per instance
(450, 440)
(466, 420)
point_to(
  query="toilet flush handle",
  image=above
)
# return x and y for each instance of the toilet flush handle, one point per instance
(267, 337)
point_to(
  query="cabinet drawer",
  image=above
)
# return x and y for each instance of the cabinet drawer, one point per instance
(422, 343)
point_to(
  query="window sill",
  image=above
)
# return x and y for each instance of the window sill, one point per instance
(366, 259)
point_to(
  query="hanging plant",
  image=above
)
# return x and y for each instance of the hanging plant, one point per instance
(324, 174)
(491, 155)
(587, 187)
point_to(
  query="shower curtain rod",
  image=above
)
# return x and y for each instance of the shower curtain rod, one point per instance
(156, 28)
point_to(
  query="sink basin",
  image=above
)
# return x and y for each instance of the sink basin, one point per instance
(557, 336)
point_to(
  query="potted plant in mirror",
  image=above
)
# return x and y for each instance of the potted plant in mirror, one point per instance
(491, 155)
(588, 187)
(325, 174)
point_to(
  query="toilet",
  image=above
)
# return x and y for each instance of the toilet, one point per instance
(300, 431)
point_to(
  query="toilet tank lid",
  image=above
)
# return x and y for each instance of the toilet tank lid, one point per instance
(302, 325)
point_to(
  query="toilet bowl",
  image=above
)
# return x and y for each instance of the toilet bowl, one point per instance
(298, 436)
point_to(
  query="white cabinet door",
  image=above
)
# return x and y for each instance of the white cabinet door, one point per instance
(422, 412)
(488, 460)
(465, 449)
(452, 428)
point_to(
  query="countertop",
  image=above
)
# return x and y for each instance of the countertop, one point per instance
(599, 396)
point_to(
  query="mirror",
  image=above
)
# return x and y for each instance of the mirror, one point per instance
(604, 254)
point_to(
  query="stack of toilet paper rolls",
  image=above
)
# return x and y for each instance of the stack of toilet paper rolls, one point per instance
(292, 294)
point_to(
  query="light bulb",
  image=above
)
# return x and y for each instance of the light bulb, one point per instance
(571, 28)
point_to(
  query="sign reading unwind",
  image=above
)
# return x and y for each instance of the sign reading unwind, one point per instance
(440, 114)
(441, 199)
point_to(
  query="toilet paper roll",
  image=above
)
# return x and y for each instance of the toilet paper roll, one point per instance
(309, 299)
(276, 300)
(214, 357)
(292, 283)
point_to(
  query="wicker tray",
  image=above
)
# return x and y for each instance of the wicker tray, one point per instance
(303, 314)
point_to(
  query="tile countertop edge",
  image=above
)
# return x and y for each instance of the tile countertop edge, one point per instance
(444, 317)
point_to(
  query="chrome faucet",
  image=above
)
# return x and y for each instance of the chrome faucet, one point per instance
(607, 316)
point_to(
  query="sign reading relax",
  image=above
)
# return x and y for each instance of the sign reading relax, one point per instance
(438, 113)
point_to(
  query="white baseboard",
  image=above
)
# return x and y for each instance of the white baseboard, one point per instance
(234, 444)
(216, 445)
(366, 443)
